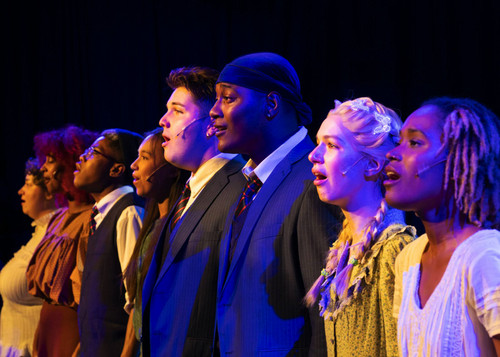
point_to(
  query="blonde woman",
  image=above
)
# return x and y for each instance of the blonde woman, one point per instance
(355, 290)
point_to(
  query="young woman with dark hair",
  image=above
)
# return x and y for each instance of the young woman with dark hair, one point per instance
(447, 170)
(160, 183)
(54, 259)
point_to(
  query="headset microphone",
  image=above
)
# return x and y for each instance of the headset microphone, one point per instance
(211, 129)
(148, 179)
(350, 167)
(188, 125)
(427, 167)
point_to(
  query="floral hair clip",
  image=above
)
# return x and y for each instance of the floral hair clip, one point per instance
(385, 123)
(359, 104)
(384, 120)
(325, 273)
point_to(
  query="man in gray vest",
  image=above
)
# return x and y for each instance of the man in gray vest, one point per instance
(104, 172)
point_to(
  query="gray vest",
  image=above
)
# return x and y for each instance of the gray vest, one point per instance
(101, 318)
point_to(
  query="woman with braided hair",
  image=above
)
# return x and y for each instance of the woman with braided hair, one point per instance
(447, 170)
(355, 290)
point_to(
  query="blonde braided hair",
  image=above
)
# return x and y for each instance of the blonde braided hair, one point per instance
(373, 137)
(337, 261)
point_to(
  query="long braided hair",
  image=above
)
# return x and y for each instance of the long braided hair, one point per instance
(375, 130)
(471, 137)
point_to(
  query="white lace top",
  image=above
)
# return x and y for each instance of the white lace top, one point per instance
(463, 312)
(21, 311)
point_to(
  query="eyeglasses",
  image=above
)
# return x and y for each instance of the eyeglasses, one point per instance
(87, 154)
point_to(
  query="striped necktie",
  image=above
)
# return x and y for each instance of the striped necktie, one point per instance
(93, 224)
(180, 206)
(252, 187)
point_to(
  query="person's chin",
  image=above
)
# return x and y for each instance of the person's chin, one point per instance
(227, 147)
(393, 200)
(170, 157)
(79, 184)
(140, 192)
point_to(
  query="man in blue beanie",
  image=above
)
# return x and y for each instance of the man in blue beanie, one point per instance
(279, 232)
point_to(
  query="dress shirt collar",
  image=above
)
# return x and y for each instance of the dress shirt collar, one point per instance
(108, 201)
(205, 172)
(269, 163)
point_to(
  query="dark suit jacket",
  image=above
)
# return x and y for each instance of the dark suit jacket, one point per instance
(182, 296)
(279, 254)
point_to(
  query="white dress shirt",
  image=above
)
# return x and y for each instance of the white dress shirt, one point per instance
(127, 227)
(266, 167)
(205, 172)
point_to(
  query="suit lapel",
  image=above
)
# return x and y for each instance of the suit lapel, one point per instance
(199, 207)
(151, 276)
(256, 208)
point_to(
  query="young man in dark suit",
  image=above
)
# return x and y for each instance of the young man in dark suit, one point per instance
(104, 171)
(180, 288)
(274, 246)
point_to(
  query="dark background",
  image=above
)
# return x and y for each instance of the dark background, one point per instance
(102, 64)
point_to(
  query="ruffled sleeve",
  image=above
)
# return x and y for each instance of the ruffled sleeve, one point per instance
(54, 259)
(396, 237)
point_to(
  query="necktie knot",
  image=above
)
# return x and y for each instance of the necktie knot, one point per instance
(252, 187)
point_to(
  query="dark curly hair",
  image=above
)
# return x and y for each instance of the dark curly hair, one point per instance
(32, 168)
(65, 145)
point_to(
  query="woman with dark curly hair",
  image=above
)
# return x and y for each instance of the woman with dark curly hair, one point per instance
(54, 259)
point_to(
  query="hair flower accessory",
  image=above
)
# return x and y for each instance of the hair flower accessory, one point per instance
(353, 261)
(385, 123)
(359, 104)
(325, 273)
(384, 120)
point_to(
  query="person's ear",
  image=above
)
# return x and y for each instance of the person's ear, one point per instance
(48, 196)
(117, 170)
(273, 101)
(373, 168)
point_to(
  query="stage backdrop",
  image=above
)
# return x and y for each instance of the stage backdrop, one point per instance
(102, 64)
